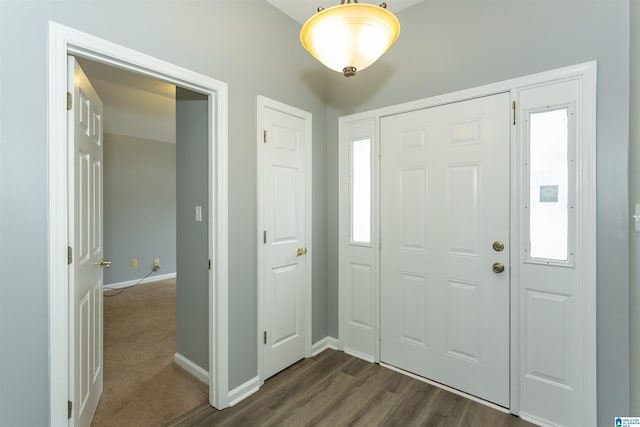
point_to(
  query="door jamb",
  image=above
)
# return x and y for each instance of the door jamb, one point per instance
(264, 102)
(586, 73)
(63, 41)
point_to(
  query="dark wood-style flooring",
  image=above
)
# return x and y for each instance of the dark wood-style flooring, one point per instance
(335, 389)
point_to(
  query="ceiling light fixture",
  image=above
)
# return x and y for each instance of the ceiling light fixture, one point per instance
(349, 37)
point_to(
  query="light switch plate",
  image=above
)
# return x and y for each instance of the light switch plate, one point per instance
(198, 213)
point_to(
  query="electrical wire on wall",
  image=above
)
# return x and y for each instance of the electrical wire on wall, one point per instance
(121, 290)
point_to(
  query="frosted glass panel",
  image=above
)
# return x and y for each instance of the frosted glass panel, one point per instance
(549, 184)
(361, 191)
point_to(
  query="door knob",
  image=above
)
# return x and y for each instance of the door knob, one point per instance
(104, 263)
(301, 251)
(498, 267)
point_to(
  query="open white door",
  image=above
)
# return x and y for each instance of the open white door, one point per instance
(285, 241)
(86, 277)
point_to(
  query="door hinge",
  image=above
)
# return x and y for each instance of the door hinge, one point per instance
(69, 409)
(209, 264)
(264, 136)
(69, 255)
(513, 107)
(264, 237)
(69, 101)
(264, 337)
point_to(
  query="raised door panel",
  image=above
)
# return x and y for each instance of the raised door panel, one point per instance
(549, 353)
(84, 344)
(463, 206)
(84, 208)
(361, 313)
(96, 226)
(412, 190)
(416, 294)
(286, 205)
(285, 305)
(463, 332)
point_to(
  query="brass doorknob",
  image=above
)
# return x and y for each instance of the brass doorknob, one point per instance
(498, 267)
(301, 251)
(104, 263)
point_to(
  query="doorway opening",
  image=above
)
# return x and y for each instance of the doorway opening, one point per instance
(150, 326)
(65, 41)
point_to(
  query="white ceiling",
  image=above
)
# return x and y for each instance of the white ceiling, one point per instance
(134, 105)
(96, 70)
(301, 10)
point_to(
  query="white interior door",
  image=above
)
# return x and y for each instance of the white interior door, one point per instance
(444, 202)
(285, 242)
(85, 162)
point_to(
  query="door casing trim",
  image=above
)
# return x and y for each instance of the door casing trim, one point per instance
(63, 41)
(264, 102)
(586, 73)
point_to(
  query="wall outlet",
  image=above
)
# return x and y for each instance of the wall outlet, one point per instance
(156, 264)
(134, 262)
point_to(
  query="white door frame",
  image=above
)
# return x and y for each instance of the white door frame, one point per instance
(63, 41)
(264, 102)
(586, 245)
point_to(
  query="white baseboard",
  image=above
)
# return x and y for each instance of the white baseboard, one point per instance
(360, 355)
(535, 420)
(323, 344)
(243, 391)
(112, 286)
(191, 367)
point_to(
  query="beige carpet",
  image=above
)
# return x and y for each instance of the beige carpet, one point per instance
(142, 385)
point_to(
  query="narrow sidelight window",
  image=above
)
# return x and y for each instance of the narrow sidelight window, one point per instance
(550, 197)
(361, 191)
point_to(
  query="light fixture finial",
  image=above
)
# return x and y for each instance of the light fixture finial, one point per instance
(349, 71)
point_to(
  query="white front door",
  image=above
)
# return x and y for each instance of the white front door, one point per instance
(85, 317)
(285, 248)
(444, 202)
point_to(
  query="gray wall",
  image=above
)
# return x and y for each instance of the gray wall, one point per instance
(192, 287)
(246, 43)
(139, 207)
(449, 45)
(634, 198)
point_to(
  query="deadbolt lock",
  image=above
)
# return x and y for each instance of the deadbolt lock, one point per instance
(498, 267)
(498, 246)
(301, 251)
